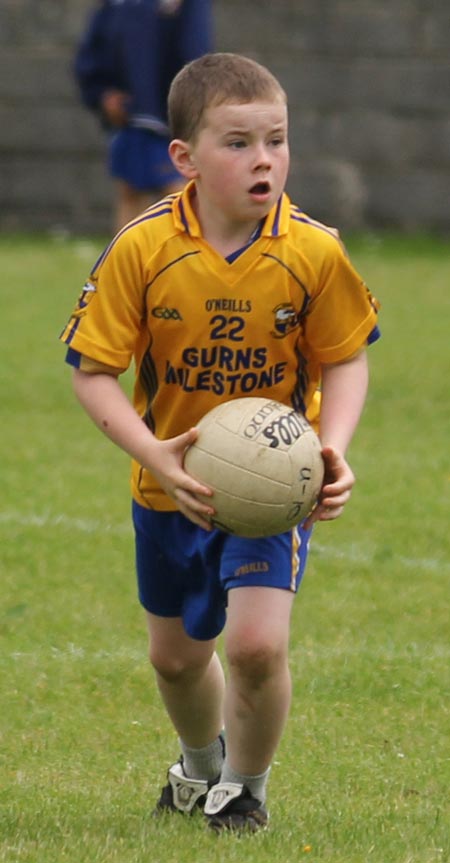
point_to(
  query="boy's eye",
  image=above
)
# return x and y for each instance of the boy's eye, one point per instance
(236, 145)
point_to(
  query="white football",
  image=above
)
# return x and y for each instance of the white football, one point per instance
(263, 461)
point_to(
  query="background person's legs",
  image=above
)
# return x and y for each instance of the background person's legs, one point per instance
(130, 202)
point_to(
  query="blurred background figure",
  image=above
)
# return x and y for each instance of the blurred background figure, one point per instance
(124, 64)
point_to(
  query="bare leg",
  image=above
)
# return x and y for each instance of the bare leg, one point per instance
(259, 688)
(131, 202)
(190, 679)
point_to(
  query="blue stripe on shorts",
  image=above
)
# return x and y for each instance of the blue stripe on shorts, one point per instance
(184, 571)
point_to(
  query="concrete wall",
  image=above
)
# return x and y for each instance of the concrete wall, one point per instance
(369, 89)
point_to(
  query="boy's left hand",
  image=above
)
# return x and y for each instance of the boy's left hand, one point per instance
(337, 487)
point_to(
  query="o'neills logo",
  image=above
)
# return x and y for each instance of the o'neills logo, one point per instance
(255, 566)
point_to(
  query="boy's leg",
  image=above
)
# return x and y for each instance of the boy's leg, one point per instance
(256, 705)
(190, 679)
(259, 689)
(191, 682)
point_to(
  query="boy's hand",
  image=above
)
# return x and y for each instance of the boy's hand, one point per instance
(180, 485)
(336, 489)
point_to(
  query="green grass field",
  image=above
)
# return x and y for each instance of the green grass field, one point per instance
(363, 771)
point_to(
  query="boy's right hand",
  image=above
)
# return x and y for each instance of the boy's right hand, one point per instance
(177, 483)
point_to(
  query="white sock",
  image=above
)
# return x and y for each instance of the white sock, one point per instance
(255, 784)
(205, 763)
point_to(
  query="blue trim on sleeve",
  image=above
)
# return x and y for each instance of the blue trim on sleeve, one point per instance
(373, 336)
(73, 357)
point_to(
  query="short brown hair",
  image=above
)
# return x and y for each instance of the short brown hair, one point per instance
(215, 79)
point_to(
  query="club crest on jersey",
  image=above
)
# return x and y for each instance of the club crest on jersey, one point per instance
(285, 320)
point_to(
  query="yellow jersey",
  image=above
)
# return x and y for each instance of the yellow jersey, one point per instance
(203, 329)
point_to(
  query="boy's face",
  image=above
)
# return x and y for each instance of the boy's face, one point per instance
(241, 158)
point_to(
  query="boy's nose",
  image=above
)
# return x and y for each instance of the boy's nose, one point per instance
(261, 157)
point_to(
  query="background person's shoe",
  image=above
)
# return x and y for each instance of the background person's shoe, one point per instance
(230, 806)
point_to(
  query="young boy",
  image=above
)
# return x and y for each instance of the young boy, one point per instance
(224, 277)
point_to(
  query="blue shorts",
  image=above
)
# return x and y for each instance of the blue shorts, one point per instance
(184, 571)
(140, 158)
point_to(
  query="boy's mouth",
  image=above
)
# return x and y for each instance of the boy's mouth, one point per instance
(261, 188)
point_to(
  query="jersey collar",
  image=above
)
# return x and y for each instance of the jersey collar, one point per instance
(276, 223)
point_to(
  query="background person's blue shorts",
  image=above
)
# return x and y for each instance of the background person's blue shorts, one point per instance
(140, 158)
(184, 571)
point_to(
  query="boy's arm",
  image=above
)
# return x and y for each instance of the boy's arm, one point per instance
(105, 402)
(344, 389)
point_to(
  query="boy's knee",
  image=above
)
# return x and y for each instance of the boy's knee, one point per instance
(174, 667)
(255, 661)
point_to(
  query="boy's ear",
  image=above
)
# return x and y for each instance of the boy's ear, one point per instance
(180, 153)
